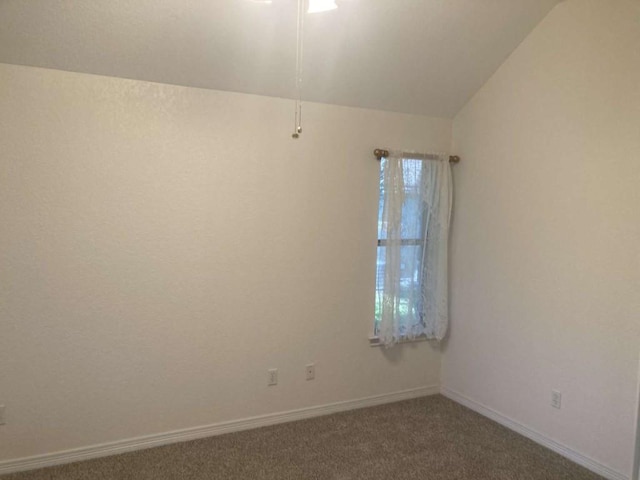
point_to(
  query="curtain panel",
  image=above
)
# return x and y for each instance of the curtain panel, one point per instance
(413, 233)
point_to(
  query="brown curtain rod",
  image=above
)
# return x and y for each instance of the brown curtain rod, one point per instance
(379, 153)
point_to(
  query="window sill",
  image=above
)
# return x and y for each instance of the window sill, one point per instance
(375, 341)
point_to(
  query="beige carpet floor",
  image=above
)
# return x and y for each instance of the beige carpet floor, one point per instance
(429, 438)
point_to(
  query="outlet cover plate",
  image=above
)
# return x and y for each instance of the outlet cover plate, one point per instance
(310, 370)
(273, 377)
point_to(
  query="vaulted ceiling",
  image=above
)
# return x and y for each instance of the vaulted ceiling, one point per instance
(415, 56)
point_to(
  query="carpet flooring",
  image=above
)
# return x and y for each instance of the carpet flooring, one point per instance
(429, 438)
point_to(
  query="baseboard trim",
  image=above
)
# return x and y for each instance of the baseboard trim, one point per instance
(194, 433)
(537, 437)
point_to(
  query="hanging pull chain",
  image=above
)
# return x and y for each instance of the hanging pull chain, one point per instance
(299, 56)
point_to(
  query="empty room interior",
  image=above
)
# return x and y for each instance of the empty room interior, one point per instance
(319, 239)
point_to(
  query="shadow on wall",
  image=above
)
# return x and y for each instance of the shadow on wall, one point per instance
(395, 355)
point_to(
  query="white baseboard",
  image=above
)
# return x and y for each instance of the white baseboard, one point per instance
(537, 437)
(156, 440)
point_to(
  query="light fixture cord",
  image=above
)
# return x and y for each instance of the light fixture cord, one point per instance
(299, 56)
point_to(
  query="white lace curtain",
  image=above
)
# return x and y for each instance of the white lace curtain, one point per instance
(412, 300)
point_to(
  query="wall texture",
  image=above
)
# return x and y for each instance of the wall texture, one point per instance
(162, 247)
(546, 233)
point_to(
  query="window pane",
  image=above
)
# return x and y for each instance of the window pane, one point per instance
(412, 225)
(381, 231)
(412, 207)
(409, 299)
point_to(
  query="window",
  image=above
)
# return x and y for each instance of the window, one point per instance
(413, 235)
(408, 303)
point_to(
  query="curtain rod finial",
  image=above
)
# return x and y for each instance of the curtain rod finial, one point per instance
(454, 159)
(379, 153)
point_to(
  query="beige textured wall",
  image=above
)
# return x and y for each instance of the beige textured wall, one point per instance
(162, 247)
(546, 233)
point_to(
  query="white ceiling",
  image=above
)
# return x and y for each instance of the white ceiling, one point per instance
(415, 56)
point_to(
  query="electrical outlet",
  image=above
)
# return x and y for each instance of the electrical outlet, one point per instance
(2, 419)
(273, 376)
(556, 399)
(311, 371)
